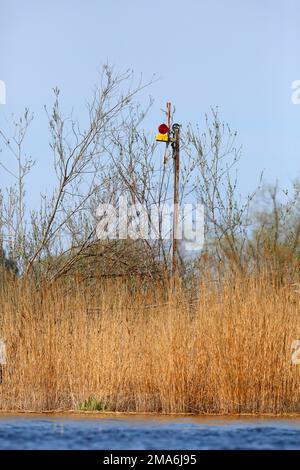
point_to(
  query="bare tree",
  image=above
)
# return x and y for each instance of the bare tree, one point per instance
(109, 156)
(214, 156)
(64, 223)
(13, 225)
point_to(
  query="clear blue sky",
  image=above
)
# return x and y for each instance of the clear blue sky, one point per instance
(239, 55)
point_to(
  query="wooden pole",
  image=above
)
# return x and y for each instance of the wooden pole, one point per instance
(176, 166)
(169, 125)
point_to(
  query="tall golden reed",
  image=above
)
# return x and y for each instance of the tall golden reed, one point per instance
(150, 351)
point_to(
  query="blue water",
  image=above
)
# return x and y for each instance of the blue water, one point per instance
(142, 432)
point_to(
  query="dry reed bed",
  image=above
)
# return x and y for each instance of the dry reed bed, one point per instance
(229, 352)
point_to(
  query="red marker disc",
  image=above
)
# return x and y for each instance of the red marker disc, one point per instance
(163, 129)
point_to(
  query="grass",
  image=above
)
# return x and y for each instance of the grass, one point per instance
(131, 350)
(92, 404)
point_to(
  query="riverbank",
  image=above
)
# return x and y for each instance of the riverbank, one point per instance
(133, 414)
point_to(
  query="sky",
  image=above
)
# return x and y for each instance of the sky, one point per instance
(241, 56)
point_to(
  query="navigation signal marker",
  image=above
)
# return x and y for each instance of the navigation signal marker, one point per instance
(163, 135)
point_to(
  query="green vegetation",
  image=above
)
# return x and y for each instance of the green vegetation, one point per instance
(92, 404)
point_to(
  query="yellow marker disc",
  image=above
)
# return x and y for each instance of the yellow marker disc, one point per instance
(162, 137)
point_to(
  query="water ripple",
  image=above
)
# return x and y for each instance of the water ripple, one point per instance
(147, 433)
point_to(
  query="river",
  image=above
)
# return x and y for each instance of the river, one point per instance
(147, 432)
